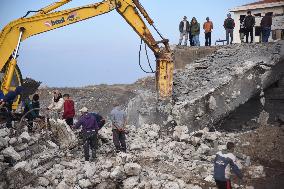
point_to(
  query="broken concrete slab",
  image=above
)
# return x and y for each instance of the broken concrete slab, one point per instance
(233, 75)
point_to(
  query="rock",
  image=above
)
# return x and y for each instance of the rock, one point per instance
(195, 140)
(70, 165)
(152, 134)
(211, 136)
(181, 183)
(3, 143)
(12, 141)
(70, 176)
(106, 185)
(256, 171)
(191, 186)
(1, 158)
(156, 184)
(85, 183)
(104, 174)
(65, 136)
(181, 133)
(11, 153)
(249, 187)
(107, 165)
(51, 144)
(25, 137)
(123, 158)
(130, 182)
(117, 173)
(171, 185)
(203, 149)
(89, 169)
(210, 178)
(62, 185)
(212, 103)
(42, 181)
(136, 144)
(20, 165)
(132, 169)
(4, 132)
(21, 147)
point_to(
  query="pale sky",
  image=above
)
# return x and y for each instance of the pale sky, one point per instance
(104, 49)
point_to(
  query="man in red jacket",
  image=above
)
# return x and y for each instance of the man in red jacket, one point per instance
(69, 110)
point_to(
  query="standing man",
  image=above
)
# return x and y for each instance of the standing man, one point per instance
(89, 131)
(68, 109)
(118, 119)
(223, 163)
(208, 27)
(249, 25)
(195, 31)
(265, 24)
(7, 102)
(229, 25)
(184, 30)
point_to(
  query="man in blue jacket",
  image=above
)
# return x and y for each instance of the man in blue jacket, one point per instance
(223, 163)
(89, 131)
(7, 102)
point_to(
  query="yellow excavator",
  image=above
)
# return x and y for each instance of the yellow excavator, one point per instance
(45, 20)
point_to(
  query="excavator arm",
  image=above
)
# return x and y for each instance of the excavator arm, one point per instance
(44, 20)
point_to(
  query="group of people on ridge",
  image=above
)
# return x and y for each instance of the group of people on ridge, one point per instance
(191, 29)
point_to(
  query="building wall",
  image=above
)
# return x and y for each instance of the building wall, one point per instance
(236, 16)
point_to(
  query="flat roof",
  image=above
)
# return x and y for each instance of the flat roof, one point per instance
(259, 5)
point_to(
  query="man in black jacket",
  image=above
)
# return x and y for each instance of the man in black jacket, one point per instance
(249, 24)
(265, 24)
(184, 28)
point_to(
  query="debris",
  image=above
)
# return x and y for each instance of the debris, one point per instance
(11, 153)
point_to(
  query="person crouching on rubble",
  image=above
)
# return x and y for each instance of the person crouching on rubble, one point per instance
(118, 119)
(56, 105)
(31, 110)
(223, 163)
(89, 131)
(7, 102)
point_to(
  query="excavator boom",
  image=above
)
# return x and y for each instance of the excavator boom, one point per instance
(45, 20)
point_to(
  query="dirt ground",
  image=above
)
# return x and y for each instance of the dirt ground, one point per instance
(266, 146)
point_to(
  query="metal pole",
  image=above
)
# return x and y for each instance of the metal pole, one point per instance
(18, 45)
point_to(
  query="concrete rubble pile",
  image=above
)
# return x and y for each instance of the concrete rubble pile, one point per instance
(180, 160)
(170, 146)
(24, 156)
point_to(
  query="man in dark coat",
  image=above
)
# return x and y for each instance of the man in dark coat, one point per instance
(265, 24)
(89, 131)
(249, 23)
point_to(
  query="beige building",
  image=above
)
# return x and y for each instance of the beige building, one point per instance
(258, 9)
